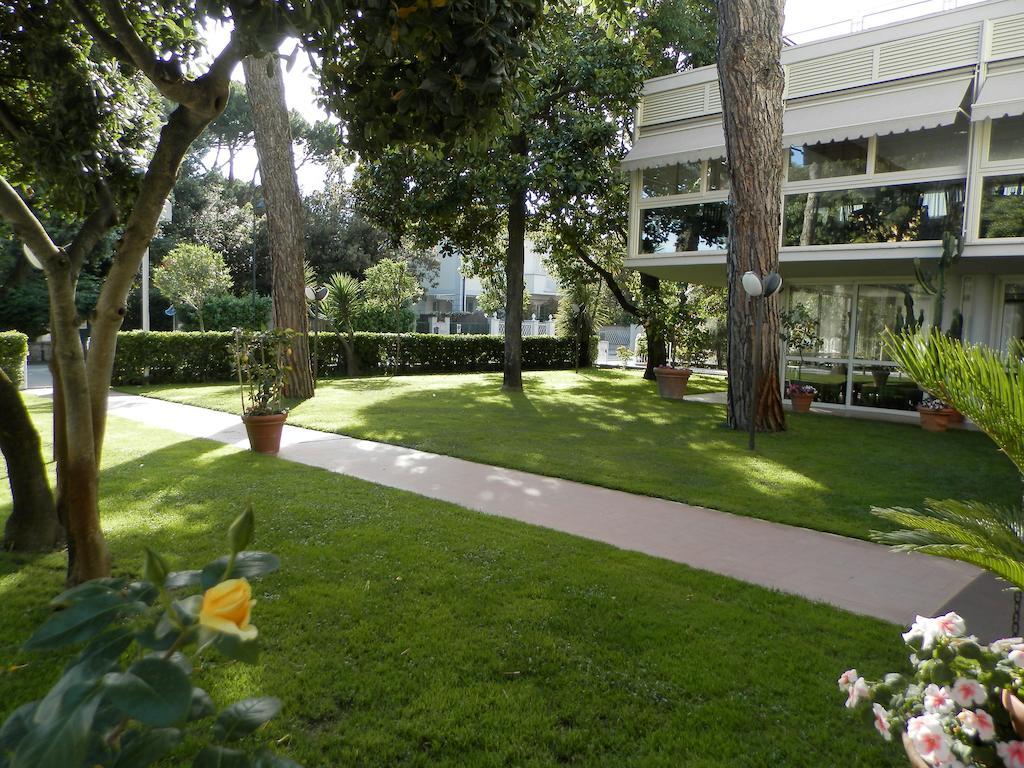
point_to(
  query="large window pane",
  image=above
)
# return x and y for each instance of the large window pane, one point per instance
(680, 179)
(884, 386)
(887, 306)
(933, 148)
(701, 227)
(1007, 138)
(830, 306)
(822, 161)
(1011, 328)
(828, 378)
(718, 174)
(891, 214)
(1002, 206)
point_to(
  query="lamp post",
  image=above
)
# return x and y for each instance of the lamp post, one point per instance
(758, 289)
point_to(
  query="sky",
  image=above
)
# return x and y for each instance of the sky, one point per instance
(805, 20)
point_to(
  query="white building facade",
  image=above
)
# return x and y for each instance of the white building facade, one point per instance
(892, 137)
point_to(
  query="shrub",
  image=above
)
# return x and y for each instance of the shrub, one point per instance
(13, 351)
(195, 357)
(226, 311)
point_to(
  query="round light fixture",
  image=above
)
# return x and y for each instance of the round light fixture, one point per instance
(772, 284)
(752, 284)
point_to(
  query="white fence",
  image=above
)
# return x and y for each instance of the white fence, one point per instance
(531, 327)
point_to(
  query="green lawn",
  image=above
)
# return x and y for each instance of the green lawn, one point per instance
(610, 428)
(407, 632)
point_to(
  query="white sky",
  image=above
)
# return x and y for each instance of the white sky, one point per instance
(824, 18)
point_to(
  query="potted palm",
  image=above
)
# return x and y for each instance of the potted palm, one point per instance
(261, 361)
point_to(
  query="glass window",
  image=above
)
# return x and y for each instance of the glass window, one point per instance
(1012, 326)
(828, 378)
(701, 227)
(718, 174)
(933, 148)
(822, 161)
(884, 386)
(891, 214)
(679, 179)
(1007, 142)
(887, 306)
(830, 306)
(1002, 206)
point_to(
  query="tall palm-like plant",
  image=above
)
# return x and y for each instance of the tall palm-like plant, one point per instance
(344, 299)
(985, 386)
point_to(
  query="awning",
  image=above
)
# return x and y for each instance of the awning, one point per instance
(698, 142)
(909, 108)
(1002, 94)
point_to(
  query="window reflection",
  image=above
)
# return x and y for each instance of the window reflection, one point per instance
(933, 148)
(679, 179)
(718, 174)
(1007, 142)
(883, 386)
(897, 307)
(830, 306)
(891, 214)
(1012, 327)
(681, 228)
(1002, 206)
(822, 161)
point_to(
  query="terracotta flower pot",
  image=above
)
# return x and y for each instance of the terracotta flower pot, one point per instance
(672, 382)
(955, 417)
(265, 431)
(801, 401)
(934, 421)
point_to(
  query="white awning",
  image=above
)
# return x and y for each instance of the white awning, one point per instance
(910, 108)
(1001, 95)
(699, 142)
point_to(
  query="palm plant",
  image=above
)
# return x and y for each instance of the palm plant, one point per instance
(344, 298)
(986, 387)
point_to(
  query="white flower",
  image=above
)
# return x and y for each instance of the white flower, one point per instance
(937, 700)
(977, 723)
(967, 692)
(847, 679)
(929, 739)
(1016, 655)
(1002, 646)
(930, 630)
(858, 691)
(1011, 753)
(882, 722)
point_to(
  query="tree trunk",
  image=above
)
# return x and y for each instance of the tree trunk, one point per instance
(657, 354)
(33, 524)
(285, 216)
(751, 80)
(515, 264)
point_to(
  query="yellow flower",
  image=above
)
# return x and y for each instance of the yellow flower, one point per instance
(226, 608)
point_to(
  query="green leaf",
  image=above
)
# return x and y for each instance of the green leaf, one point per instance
(59, 741)
(236, 649)
(16, 726)
(221, 757)
(244, 717)
(107, 646)
(142, 748)
(89, 589)
(247, 565)
(155, 568)
(81, 621)
(180, 579)
(153, 691)
(242, 528)
(267, 759)
(201, 705)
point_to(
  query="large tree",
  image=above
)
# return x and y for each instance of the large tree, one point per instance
(751, 79)
(77, 134)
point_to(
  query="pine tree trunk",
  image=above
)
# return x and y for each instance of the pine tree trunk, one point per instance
(515, 264)
(751, 80)
(285, 216)
(32, 525)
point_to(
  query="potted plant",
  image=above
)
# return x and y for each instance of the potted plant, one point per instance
(801, 395)
(261, 361)
(683, 336)
(672, 381)
(935, 415)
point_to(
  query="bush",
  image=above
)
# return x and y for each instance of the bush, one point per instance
(225, 311)
(13, 351)
(194, 357)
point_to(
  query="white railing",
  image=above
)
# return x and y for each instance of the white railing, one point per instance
(874, 19)
(531, 327)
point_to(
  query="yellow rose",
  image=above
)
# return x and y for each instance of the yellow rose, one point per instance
(226, 608)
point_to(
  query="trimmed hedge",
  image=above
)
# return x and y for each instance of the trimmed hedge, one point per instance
(13, 353)
(184, 357)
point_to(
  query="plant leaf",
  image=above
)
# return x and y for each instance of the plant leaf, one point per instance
(81, 621)
(247, 565)
(153, 691)
(221, 757)
(59, 741)
(142, 748)
(244, 717)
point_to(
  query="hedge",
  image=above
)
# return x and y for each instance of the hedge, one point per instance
(13, 353)
(184, 357)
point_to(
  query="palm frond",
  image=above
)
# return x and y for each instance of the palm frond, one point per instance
(344, 295)
(979, 382)
(985, 535)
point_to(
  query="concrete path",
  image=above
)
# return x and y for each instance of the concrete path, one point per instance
(855, 575)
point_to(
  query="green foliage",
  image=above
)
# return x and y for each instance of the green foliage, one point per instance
(986, 387)
(13, 352)
(127, 698)
(198, 357)
(493, 296)
(343, 302)
(261, 361)
(25, 307)
(191, 275)
(225, 311)
(799, 329)
(387, 288)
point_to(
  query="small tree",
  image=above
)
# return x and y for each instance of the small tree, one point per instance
(492, 298)
(387, 288)
(191, 274)
(800, 332)
(343, 302)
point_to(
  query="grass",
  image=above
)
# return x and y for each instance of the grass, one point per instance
(408, 632)
(610, 428)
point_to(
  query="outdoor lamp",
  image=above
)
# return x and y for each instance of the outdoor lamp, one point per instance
(752, 284)
(319, 294)
(758, 288)
(310, 296)
(32, 258)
